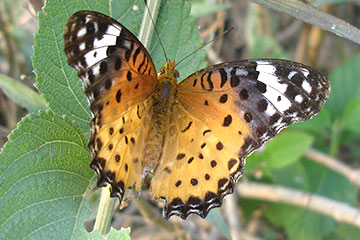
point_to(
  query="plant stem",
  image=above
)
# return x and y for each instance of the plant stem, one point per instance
(147, 26)
(105, 211)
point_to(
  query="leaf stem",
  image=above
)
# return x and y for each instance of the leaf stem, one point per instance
(105, 211)
(147, 25)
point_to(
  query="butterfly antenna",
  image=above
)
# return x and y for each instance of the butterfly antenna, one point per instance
(207, 43)
(157, 33)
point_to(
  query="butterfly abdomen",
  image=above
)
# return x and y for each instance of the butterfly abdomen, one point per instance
(164, 98)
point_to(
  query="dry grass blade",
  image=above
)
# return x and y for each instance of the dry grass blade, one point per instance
(314, 16)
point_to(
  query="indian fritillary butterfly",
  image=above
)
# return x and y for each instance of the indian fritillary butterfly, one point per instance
(193, 137)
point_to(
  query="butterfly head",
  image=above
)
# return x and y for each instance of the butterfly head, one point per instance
(169, 70)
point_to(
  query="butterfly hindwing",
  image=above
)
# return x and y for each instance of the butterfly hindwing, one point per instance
(224, 112)
(195, 169)
(118, 77)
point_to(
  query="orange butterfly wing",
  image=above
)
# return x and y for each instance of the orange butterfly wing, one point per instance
(223, 113)
(118, 77)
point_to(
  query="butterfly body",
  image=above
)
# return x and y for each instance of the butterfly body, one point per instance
(193, 136)
(163, 100)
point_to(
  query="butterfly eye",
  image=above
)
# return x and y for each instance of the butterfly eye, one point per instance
(176, 74)
(162, 71)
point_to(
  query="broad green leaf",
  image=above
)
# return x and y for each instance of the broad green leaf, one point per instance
(179, 36)
(351, 118)
(22, 94)
(344, 86)
(44, 175)
(286, 148)
(310, 177)
(218, 221)
(201, 9)
(314, 16)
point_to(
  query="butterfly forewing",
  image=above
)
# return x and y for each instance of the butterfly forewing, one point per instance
(118, 77)
(254, 98)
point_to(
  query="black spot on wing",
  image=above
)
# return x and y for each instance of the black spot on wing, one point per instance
(187, 127)
(227, 120)
(118, 95)
(223, 98)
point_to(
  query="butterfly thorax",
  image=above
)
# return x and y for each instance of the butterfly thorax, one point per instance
(164, 98)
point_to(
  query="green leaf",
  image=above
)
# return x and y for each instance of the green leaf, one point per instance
(310, 177)
(351, 118)
(344, 232)
(314, 16)
(22, 94)
(179, 36)
(218, 221)
(344, 86)
(113, 234)
(293, 175)
(300, 223)
(44, 173)
(123, 234)
(286, 148)
(201, 9)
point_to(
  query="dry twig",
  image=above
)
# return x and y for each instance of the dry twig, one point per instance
(341, 212)
(230, 207)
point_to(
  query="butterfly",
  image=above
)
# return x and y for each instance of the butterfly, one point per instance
(190, 138)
